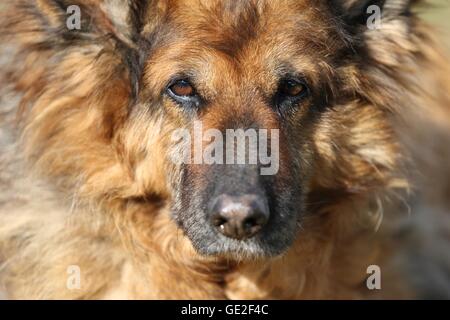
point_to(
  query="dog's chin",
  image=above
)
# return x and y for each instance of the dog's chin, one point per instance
(238, 250)
(210, 243)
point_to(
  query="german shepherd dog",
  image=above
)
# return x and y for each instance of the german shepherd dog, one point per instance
(99, 198)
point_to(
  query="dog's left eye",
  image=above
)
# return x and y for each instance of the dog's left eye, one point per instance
(292, 88)
(182, 88)
(291, 91)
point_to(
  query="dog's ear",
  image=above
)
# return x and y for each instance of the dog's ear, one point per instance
(69, 21)
(64, 25)
(384, 27)
(384, 37)
(359, 12)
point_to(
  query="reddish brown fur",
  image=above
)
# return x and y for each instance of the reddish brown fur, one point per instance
(101, 173)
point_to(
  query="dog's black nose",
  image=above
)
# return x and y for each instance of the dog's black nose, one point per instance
(239, 217)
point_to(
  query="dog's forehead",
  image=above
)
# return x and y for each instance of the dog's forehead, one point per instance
(246, 16)
(229, 25)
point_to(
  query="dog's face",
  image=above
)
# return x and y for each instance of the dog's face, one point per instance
(235, 66)
(288, 71)
(251, 65)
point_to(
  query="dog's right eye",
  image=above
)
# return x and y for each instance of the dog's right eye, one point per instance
(183, 92)
(182, 88)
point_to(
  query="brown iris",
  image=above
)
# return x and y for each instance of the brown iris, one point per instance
(182, 88)
(292, 88)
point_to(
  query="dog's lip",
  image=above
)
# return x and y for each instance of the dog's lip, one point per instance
(239, 252)
(245, 249)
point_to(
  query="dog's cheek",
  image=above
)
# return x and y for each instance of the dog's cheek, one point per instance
(348, 155)
(75, 118)
(144, 148)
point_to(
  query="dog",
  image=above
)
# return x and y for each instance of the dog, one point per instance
(99, 198)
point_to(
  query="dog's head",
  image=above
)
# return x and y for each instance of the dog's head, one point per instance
(245, 116)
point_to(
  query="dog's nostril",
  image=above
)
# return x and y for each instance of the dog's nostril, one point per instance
(239, 217)
(219, 221)
(250, 222)
(253, 222)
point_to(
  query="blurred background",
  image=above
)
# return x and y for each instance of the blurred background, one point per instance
(438, 14)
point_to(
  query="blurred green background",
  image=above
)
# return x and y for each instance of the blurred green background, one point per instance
(438, 14)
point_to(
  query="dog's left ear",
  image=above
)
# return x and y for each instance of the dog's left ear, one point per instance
(359, 12)
(382, 29)
(384, 35)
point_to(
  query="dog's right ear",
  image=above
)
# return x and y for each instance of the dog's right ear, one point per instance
(76, 66)
(64, 25)
(129, 22)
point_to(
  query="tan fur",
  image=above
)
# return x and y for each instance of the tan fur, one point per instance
(86, 182)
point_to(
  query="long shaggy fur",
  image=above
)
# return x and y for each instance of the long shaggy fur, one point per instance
(86, 180)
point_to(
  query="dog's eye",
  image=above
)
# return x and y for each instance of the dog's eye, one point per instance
(182, 88)
(184, 93)
(291, 91)
(293, 88)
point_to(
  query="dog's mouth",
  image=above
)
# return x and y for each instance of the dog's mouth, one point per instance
(239, 240)
(255, 222)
